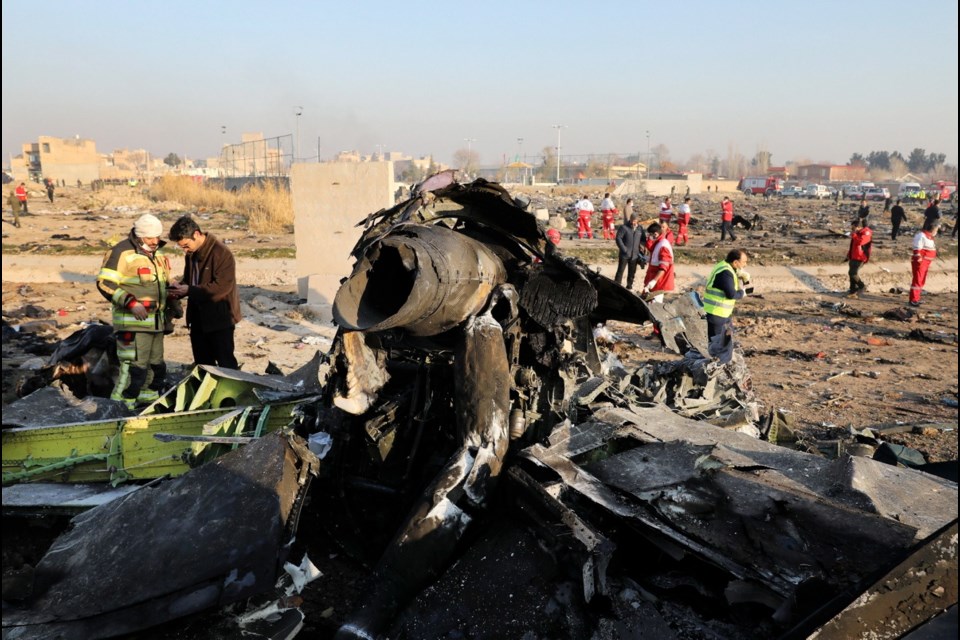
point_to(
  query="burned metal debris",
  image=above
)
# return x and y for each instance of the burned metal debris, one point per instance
(139, 560)
(465, 386)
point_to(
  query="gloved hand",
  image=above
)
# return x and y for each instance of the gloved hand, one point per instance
(642, 262)
(744, 276)
(139, 311)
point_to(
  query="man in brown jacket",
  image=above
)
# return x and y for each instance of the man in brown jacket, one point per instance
(210, 286)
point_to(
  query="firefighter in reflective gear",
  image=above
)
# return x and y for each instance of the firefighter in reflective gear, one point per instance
(134, 279)
(725, 285)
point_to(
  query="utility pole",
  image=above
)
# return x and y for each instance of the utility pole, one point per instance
(520, 170)
(648, 154)
(297, 111)
(558, 127)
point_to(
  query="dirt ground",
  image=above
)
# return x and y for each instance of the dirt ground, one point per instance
(829, 363)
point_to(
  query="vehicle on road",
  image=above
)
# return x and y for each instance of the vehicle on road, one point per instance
(764, 185)
(817, 191)
(911, 191)
(793, 191)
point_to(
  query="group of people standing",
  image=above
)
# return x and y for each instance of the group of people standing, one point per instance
(135, 278)
(924, 247)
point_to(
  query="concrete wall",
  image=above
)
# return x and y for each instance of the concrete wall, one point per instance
(328, 200)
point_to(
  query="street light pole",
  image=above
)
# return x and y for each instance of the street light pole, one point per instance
(297, 112)
(648, 154)
(558, 127)
(223, 151)
(469, 159)
(520, 159)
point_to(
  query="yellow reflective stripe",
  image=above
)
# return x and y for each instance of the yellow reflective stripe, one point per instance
(110, 275)
(718, 298)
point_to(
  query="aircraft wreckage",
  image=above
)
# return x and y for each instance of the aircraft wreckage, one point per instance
(465, 390)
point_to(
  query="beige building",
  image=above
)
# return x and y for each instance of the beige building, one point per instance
(67, 159)
(831, 172)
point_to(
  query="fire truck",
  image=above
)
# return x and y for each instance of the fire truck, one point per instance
(767, 185)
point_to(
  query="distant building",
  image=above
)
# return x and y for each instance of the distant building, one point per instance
(778, 172)
(68, 159)
(820, 173)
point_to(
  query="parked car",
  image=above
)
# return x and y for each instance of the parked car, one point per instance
(793, 191)
(853, 192)
(876, 193)
(817, 191)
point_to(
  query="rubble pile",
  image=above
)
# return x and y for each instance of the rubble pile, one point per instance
(464, 401)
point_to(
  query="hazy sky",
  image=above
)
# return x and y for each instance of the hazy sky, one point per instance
(806, 80)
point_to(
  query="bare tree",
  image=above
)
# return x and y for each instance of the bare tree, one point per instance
(467, 159)
(662, 154)
(697, 163)
(549, 163)
(735, 166)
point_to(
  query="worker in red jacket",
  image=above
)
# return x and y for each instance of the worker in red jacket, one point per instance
(585, 212)
(666, 213)
(659, 277)
(924, 252)
(861, 241)
(683, 221)
(608, 213)
(21, 193)
(726, 219)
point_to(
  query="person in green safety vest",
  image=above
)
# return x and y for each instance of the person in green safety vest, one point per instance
(726, 284)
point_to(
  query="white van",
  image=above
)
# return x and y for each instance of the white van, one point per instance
(817, 191)
(910, 191)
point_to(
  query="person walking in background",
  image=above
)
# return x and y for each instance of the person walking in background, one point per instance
(50, 187)
(627, 210)
(210, 286)
(863, 212)
(585, 213)
(726, 284)
(14, 203)
(21, 193)
(666, 213)
(134, 279)
(726, 219)
(659, 277)
(608, 212)
(683, 222)
(631, 243)
(924, 252)
(932, 212)
(897, 216)
(861, 241)
(886, 203)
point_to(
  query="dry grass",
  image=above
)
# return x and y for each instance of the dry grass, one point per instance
(268, 208)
